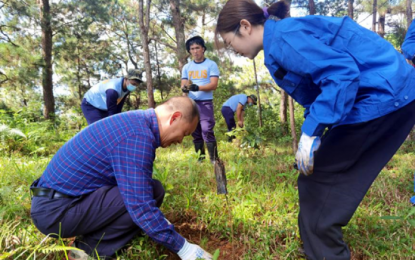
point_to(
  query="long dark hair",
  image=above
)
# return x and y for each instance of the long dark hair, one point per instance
(236, 10)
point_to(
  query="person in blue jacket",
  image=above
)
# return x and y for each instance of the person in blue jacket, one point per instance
(408, 49)
(358, 94)
(236, 104)
(107, 98)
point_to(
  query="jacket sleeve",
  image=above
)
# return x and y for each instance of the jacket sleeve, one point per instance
(333, 71)
(121, 104)
(408, 46)
(112, 97)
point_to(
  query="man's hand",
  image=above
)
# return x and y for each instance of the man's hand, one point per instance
(192, 252)
(305, 153)
(185, 89)
(192, 87)
(240, 123)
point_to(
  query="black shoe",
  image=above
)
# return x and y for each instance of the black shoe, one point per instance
(200, 149)
(213, 151)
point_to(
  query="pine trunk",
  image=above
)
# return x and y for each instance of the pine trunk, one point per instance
(408, 13)
(178, 23)
(312, 7)
(292, 124)
(374, 12)
(350, 10)
(47, 72)
(144, 21)
(381, 28)
(259, 97)
(283, 112)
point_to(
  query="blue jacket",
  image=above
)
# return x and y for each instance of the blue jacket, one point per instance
(408, 46)
(339, 71)
(107, 96)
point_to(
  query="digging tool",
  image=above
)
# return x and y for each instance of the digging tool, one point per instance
(220, 174)
(221, 185)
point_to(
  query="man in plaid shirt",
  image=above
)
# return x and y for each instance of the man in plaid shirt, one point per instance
(99, 185)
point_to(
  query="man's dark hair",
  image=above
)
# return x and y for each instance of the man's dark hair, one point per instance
(189, 111)
(195, 40)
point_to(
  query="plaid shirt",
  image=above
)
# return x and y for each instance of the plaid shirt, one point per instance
(118, 151)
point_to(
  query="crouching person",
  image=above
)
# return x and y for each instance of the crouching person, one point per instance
(236, 104)
(99, 186)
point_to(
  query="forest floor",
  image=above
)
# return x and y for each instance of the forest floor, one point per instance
(259, 222)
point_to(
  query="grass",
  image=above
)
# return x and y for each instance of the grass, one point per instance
(259, 222)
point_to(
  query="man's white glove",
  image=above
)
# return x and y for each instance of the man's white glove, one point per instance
(305, 153)
(191, 251)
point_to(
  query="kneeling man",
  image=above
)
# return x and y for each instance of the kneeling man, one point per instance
(99, 185)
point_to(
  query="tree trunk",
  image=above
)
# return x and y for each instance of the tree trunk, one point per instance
(283, 112)
(312, 7)
(178, 23)
(350, 8)
(374, 11)
(381, 28)
(408, 13)
(292, 124)
(144, 27)
(136, 103)
(158, 71)
(259, 97)
(47, 73)
(78, 73)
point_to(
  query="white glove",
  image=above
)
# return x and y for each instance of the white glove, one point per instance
(305, 153)
(191, 251)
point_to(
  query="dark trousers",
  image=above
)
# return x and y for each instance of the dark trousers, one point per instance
(204, 131)
(100, 219)
(229, 117)
(348, 161)
(91, 113)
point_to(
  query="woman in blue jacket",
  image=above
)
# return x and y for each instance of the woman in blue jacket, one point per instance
(358, 95)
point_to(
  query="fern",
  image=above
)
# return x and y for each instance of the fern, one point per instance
(8, 132)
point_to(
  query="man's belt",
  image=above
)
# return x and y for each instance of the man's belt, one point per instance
(49, 193)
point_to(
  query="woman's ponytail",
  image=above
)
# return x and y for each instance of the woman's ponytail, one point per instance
(280, 9)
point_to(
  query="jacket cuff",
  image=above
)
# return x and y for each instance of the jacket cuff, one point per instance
(312, 128)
